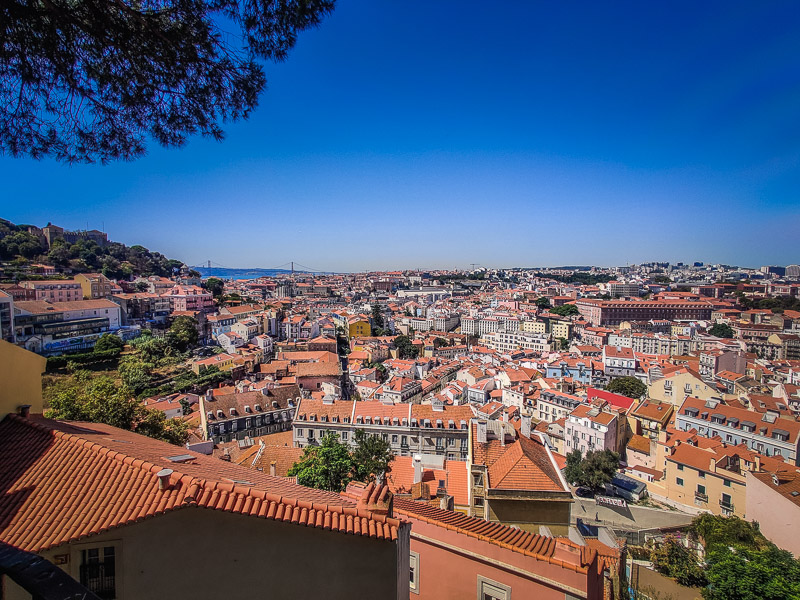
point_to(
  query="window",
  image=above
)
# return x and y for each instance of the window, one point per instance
(477, 479)
(701, 474)
(679, 481)
(726, 482)
(680, 467)
(492, 590)
(701, 489)
(413, 581)
(98, 571)
(478, 502)
(299, 433)
(344, 436)
(394, 438)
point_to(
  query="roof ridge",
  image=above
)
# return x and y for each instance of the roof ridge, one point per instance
(536, 541)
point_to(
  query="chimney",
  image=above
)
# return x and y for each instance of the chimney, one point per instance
(163, 479)
(482, 439)
(24, 410)
(417, 468)
(525, 428)
(758, 462)
(209, 394)
(272, 468)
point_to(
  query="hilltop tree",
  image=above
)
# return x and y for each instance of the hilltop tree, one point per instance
(93, 80)
(543, 302)
(627, 386)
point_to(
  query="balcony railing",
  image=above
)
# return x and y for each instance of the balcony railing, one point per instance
(701, 497)
(726, 505)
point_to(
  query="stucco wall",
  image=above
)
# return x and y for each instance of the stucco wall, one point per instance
(202, 553)
(776, 516)
(21, 377)
(445, 574)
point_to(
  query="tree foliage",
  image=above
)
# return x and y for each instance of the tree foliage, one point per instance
(543, 302)
(214, 285)
(371, 456)
(109, 341)
(183, 334)
(328, 466)
(673, 559)
(331, 465)
(565, 310)
(85, 397)
(721, 330)
(742, 574)
(594, 470)
(93, 80)
(405, 348)
(627, 386)
(740, 563)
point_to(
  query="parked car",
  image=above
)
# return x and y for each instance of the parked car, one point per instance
(584, 492)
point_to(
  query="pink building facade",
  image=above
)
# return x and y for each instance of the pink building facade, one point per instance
(184, 298)
(55, 290)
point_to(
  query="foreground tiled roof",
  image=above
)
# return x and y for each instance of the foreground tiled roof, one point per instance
(512, 538)
(65, 481)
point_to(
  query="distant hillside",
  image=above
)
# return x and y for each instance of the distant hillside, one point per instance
(19, 248)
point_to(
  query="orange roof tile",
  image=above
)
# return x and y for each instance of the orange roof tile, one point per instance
(65, 481)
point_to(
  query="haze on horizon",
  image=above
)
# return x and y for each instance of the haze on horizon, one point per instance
(435, 135)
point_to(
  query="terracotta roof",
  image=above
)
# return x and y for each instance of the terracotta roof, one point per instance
(522, 464)
(65, 481)
(318, 369)
(654, 411)
(788, 484)
(455, 474)
(639, 443)
(518, 540)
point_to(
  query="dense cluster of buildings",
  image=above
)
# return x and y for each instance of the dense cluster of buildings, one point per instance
(481, 383)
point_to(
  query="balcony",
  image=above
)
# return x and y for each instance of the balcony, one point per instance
(727, 507)
(701, 497)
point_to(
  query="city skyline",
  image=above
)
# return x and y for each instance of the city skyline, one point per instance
(393, 137)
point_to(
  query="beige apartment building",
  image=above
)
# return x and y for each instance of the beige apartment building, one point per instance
(676, 386)
(94, 285)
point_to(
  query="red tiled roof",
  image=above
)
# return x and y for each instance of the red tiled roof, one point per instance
(518, 540)
(455, 474)
(65, 481)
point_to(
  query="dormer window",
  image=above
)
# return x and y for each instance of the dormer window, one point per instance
(210, 415)
(234, 412)
(359, 419)
(247, 409)
(347, 419)
(257, 407)
(220, 414)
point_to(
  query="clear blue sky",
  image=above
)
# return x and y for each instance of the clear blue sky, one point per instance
(439, 133)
